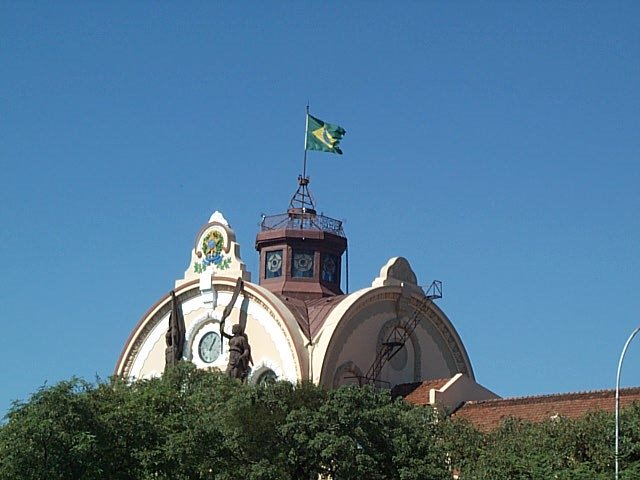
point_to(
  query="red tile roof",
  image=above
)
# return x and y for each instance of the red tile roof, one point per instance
(488, 414)
(311, 314)
(418, 393)
(299, 309)
(319, 310)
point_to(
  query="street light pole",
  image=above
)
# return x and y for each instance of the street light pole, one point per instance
(624, 350)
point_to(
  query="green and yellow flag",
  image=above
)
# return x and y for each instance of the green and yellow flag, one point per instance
(323, 136)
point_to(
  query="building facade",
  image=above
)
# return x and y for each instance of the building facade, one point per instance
(302, 326)
(298, 321)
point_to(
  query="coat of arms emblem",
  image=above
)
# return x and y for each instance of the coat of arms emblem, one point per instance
(211, 253)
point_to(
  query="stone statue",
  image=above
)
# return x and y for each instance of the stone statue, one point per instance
(175, 334)
(239, 349)
(239, 353)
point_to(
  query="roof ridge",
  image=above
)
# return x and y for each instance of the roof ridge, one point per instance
(430, 380)
(629, 390)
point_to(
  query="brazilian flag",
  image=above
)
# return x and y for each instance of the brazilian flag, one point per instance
(323, 136)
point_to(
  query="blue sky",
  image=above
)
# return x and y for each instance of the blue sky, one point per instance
(494, 145)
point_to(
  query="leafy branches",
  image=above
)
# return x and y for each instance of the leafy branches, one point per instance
(196, 424)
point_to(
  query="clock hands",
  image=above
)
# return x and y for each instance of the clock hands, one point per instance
(208, 348)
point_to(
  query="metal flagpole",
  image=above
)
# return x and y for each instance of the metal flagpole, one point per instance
(306, 132)
(624, 350)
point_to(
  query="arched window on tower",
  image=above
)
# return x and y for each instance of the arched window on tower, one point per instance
(329, 270)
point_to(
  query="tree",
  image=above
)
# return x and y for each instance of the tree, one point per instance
(559, 448)
(50, 436)
(362, 433)
(196, 424)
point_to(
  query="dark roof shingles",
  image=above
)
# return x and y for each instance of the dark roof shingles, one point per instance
(488, 414)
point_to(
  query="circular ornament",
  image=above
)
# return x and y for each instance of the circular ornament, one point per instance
(303, 262)
(274, 261)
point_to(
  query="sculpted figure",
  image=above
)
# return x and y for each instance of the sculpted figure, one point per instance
(239, 353)
(174, 337)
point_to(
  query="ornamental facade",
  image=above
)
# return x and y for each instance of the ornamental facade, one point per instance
(297, 319)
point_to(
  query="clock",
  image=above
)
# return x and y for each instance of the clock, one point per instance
(273, 264)
(209, 347)
(302, 264)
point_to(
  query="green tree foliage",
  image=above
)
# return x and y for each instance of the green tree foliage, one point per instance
(50, 437)
(559, 448)
(195, 424)
(360, 433)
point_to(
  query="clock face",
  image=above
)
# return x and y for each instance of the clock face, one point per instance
(302, 264)
(209, 347)
(274, 264)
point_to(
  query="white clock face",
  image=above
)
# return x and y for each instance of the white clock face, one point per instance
(209, 347)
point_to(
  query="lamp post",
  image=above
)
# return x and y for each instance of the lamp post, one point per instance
(624, 350)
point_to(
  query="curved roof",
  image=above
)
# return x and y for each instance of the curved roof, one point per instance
(339, 311)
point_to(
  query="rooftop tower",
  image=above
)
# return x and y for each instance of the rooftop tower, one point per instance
(301, 250)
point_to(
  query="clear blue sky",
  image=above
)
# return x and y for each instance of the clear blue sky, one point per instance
(495, 145)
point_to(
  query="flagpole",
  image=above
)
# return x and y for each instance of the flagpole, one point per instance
(306, 132)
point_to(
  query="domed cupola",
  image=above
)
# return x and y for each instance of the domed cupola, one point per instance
(301, 250)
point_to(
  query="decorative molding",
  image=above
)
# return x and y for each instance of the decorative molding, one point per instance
(211, 248)
(194, 293)
(451, 342)
(151, 323)
(397, 271)
(215, 252)
(457, 359)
